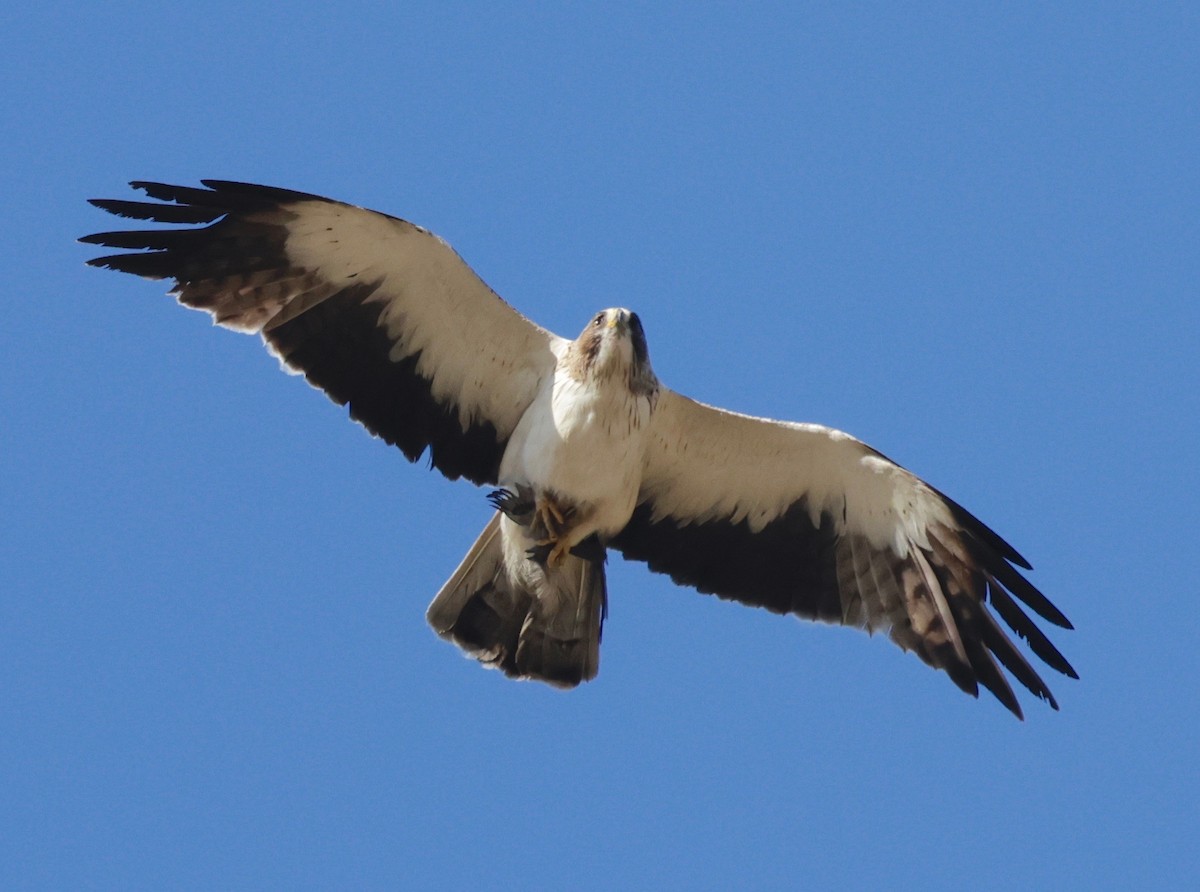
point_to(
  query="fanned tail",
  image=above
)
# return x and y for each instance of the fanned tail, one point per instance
(520, 617)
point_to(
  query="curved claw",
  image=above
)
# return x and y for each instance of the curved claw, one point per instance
(516, 506)
(540, 553)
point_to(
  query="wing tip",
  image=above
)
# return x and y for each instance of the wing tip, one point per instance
(255, 190)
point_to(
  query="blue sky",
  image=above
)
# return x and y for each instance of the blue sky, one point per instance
(966, 235)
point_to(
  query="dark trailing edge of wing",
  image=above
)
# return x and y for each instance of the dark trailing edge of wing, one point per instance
(787, 567)
(790, 566)
(342, 350)
(337, 342)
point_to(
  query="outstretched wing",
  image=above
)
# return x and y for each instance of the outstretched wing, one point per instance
(802, 519)
(380, 314)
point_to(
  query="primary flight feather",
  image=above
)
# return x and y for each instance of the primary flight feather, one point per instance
(586, 449)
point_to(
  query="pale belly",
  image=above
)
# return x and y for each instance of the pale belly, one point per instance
(585, 448)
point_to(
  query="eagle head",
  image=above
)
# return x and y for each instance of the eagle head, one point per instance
(613, 344)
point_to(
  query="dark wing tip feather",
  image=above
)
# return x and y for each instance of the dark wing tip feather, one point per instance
(962, 589)
(223, 196)
(984, 534)
(178, 194)
(225, 246)
(995, 553)
(273, 194)
(153, 265)
(146, 239)
(159, 213)
(964, 675)
(1022, 588)
(990, 675)
(1025, 628)
(1000, 645)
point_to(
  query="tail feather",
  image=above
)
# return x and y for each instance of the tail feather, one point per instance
(476, 609)
(560, 638)
(516, 615)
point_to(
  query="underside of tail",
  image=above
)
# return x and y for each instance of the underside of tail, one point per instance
(519, 616)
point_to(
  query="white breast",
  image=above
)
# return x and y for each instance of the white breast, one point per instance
(584, 442)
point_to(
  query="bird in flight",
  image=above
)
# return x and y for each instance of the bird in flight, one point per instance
(585, 449)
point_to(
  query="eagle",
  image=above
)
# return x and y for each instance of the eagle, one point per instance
(584, 449)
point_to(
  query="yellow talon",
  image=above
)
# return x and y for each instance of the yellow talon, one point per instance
(550, 516)
(557, 553)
